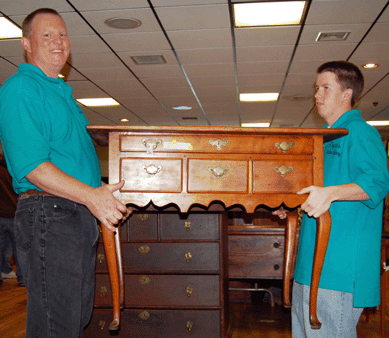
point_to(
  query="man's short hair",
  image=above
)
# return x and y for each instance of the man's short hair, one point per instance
(348, 76)
(27, 22)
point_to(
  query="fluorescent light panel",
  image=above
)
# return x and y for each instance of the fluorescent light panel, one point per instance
(9, 30)
(267, 13)
(100, 102)
(378, 123)
(255, 124)
(258, 97)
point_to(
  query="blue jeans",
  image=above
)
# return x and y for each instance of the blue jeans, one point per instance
(56, 243)
(335, 311)
(7, 237)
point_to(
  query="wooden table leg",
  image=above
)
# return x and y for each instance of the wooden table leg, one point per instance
(322, 237)
(290, 246)
(113, 269)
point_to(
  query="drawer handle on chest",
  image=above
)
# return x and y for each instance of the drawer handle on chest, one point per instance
(144, 315)
(283, 170)
(144, 280)
(187, 226)
(188, 256)
(101, 324)
(218, 171)
(189, 326)
(142, 217)
(144, 249)
(152, 169)
(189, 291)
(284, 146)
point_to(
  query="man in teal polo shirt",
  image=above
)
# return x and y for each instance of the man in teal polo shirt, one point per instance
(55, 171)
(356, 181)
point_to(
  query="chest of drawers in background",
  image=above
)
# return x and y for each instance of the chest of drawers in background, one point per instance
(175, 280)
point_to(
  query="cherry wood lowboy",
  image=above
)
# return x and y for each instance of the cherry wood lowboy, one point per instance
(192, 166)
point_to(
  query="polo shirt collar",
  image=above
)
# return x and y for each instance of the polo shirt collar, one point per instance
(351, 114)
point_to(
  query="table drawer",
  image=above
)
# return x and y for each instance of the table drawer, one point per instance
(150, 323)
(218, 175)
(151, 174)
(170, 257)
(265, 144)
(192, 227)
(278, 175)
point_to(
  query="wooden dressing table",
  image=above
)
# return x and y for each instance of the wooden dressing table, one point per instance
(189, 166)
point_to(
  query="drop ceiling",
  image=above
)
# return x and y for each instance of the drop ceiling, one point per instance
(208, 63)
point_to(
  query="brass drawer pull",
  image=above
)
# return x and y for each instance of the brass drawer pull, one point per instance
(101, 324)
(151, 144)
(189, 291)
(218, 171)
(189, 326)
(101, 258)
(284, 146)
(142, 217)
(144, 249)
(283, 170)
(218, 143)
(188, 256)
(144, 280)
(104, 291)
(144, 315)
(187, 226)
(152, 169)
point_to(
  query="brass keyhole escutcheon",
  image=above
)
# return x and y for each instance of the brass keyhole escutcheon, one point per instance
(189, 326)
(188, 256)
(187, 226)
(104, 291)
(101, 324)
(189, 291)
(101, 258)
(144, 249)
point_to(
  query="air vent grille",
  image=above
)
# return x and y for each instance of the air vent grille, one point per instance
(332, 36)
(148, 59)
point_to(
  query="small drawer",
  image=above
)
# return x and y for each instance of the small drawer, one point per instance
(218, 176)
(151, 174)
(170, 257)
(150, 323)
(143, 226)
(192, 227)
(279, 175)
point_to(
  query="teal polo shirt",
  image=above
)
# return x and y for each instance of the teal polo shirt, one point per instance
(40, 121)
(352, 262)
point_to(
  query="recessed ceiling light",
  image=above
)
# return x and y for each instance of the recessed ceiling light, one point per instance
(258, 97)
(332, 36)
(8, 30)
(267, 13)
(100, 102)
(124, 120)
(255, 125)
(370, 65)
(378, 123)
(182, 108)
(123, 23)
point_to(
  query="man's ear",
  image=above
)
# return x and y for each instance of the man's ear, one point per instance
(348, 94)
(26, 44)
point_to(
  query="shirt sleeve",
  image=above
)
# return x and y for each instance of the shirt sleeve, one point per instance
(22, 127)
(368, 164)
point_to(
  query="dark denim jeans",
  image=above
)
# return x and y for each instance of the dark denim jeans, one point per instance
(7, 237)
(56, 244)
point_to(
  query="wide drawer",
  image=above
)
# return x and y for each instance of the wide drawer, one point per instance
(192, 227)
(179, 291)
(150, 323)
(265, 144)
(170, 257)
